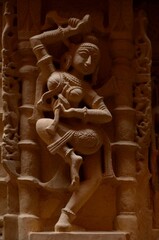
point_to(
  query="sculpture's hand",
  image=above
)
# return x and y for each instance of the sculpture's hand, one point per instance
(81, 26)
(98, 116)
(63, 111)
(72, 112)
(73, 22)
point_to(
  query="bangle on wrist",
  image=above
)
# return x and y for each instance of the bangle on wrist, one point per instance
(61, 31)
(84, 113)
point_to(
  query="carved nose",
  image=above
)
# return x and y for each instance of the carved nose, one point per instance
(89, 60)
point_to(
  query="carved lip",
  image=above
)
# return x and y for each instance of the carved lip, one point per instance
(87, 69)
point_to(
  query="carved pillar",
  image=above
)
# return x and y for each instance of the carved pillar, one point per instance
(10, 96)
(144, 135)
(124, 147)
(28, 194)
(3, 182)
(28, 25)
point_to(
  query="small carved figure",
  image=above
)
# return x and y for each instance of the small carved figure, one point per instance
(78, 111)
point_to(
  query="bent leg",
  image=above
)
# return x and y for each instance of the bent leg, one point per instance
(93, 175)
(75, 162)
(92, 172)
(67, 153)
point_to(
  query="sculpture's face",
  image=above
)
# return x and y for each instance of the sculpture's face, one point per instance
(86, 58)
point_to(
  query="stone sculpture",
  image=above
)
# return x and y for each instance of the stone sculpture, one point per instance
(76, 92)
(75, 131)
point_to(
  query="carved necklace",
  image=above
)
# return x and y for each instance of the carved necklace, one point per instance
(73, 80)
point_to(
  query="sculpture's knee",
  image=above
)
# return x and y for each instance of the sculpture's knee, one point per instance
(41, 126)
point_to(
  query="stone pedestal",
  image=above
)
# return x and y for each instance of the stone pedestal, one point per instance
(80, 236)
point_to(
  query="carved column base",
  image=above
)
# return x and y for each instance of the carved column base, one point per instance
(28, 196)
(129, 223)
(3, 200)
(27, 223)
(79, 236)
(10, 220)
(10, 227)
(127, 194)
(126, 219)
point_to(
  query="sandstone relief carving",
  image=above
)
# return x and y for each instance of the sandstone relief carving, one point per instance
(79, 140)
(142, 86)
(75, 130)
(142, 104)
(10, 94)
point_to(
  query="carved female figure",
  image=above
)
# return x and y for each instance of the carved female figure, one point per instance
(75, 131)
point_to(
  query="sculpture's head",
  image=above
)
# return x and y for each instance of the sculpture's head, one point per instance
(84, 57)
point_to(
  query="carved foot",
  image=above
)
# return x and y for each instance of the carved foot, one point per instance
(75, 162)
(64, 223)
(75, 167)
(63, 227)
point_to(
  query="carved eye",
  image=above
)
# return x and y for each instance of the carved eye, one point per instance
(83, 54)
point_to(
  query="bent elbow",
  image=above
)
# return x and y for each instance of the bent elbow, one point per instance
(109, 117)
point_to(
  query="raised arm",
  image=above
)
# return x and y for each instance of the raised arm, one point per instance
(44, 59)
(40, 41)
(75, 26)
